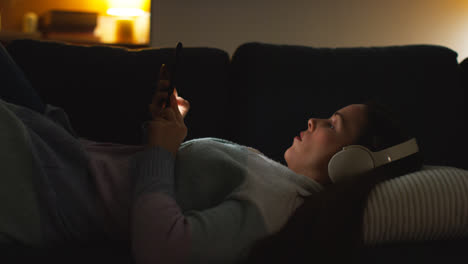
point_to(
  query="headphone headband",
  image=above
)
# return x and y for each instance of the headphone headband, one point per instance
(395, 153)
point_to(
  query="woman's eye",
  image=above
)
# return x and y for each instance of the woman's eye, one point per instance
(331, 125)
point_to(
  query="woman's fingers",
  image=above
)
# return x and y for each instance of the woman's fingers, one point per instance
(181, 106)
(168, 114)
(159, 103)
(163, 85)
(184, 106)
(163, 80)
(160, 98)
(175, 107)
(163, 72)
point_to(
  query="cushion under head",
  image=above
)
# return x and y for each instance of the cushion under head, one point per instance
(426, 205)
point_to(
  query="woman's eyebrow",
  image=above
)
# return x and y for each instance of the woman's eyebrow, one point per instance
(341, 117)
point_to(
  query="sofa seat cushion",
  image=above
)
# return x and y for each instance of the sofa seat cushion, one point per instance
(430, 204)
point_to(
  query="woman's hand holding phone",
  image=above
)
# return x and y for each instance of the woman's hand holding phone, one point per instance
(160, 97)
(167, 128)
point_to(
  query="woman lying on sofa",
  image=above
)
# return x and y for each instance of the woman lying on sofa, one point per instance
(201, 201)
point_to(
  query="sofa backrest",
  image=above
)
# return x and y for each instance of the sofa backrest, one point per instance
(464, 69)
(261, 97)
(106, 90)
(276, 88)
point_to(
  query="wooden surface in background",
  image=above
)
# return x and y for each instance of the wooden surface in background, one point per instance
(8, 36)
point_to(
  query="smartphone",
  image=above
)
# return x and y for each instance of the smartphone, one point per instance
(174, 70)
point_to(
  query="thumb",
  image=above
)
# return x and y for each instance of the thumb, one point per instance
(175, 106)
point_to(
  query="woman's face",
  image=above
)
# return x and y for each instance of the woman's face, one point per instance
(313, 148)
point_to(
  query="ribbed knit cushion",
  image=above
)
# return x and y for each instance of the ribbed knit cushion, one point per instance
(430, 204)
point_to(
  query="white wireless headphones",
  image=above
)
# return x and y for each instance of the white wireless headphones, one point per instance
(355, 159)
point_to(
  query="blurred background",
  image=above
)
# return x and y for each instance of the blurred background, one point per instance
(124, 22)
(226, 24)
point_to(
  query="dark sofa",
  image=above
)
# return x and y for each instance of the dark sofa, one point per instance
(262, 96)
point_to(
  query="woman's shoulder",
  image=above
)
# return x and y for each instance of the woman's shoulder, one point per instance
(209, 143)
(208, 140)
(213, 143)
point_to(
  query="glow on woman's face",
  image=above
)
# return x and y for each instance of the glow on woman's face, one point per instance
(313, 148)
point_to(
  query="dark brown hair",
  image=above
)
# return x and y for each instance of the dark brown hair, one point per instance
(327, 227)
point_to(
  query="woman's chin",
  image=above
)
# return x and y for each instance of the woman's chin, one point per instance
(287, 155)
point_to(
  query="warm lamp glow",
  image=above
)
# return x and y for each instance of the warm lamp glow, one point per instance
(125, 12)
(140, 4)
(125, 21)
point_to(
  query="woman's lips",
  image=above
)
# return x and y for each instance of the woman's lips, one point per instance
(299, 137)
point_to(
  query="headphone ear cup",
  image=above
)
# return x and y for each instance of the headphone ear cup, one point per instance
(349, 162)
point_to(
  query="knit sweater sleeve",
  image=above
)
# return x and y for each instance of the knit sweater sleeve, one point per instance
(161, 233)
